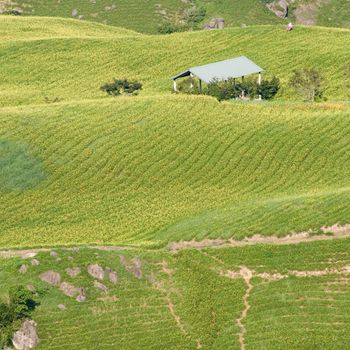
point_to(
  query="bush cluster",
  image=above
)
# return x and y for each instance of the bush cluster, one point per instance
(20, 305)
(308, 83)
(249, 88)
(190, 18)
(122, 86)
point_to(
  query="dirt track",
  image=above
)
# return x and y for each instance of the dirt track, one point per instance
(330, 233)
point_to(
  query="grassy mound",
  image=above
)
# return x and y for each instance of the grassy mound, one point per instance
(298, 296)
(132, 170)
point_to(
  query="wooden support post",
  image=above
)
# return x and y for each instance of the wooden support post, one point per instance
(200, 85)
(243, 90)
(259, 83)
(175, 87)
(191, 85)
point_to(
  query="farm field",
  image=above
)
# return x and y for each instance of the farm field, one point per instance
(74, 62)
(215, 225)
(150, 170)
(294, 295)
(79, 167)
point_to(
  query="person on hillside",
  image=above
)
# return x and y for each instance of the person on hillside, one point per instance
(290, 27)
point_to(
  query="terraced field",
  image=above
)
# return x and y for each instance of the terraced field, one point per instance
(263, 297)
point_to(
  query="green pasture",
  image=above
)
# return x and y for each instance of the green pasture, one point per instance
(184, 300)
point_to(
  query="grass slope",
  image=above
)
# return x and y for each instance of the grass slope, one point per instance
(24, 28)
(158, 169)
(183, 300)
(145, 16)
(142, 16)
(75, 68)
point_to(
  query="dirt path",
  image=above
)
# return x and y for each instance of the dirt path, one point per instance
(329, 233)
(246, 274)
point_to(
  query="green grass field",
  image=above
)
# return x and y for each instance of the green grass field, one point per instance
(80, 168)
(299, 298)
(158, 167)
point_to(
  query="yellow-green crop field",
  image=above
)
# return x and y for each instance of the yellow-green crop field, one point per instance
(79, 168)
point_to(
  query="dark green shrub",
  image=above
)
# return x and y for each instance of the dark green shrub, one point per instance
(122, 86)
(308, 83)
(168, 28)
(184, 86)
(223, 89)
(248, 88)
(194, 15)
(268, 88)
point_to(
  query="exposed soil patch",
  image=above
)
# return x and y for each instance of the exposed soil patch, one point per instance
(100, 286)
(133, 266)
(246, 274)
(73, 272)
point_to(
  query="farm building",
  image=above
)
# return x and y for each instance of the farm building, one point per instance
(233, 68)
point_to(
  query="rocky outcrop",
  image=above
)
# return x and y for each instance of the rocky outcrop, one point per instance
(51, 277)
(26, 337)
(96, 271)
(280, 7)
(215, 23)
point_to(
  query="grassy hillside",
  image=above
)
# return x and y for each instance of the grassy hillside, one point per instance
(78, 167)
(71, 68)
(298, 296)
(157, 169)
(24, 28)
(145, 16)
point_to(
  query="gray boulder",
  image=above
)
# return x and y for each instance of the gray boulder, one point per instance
(26, 337)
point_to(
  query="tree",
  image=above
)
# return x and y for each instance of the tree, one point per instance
(21, 304)
(269, 88)
(308, 83)
(231, 89)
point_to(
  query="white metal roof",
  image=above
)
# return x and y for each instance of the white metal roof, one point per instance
(223, 70)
